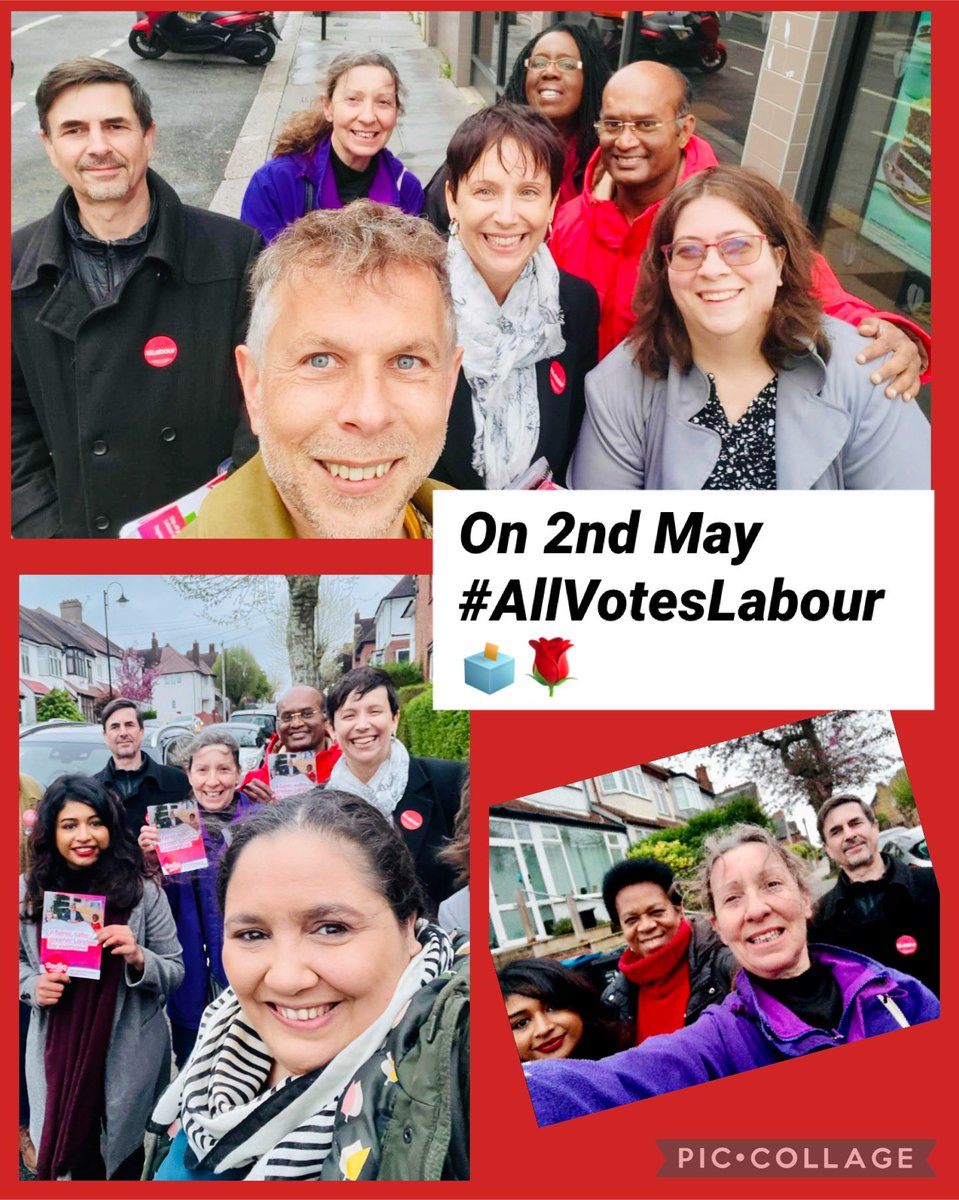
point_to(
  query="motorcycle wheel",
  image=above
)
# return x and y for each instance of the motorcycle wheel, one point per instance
(711, 61)
(146, 45)
(258, 55)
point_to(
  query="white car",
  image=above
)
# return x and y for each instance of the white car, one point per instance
(908, 845)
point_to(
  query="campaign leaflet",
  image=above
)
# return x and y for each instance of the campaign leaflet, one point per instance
(291, 774)
(180, 846)
(68, 935)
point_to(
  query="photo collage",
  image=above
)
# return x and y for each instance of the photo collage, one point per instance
(371, 278)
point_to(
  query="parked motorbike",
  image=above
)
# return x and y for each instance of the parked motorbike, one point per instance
(248, 36)
(684, 39)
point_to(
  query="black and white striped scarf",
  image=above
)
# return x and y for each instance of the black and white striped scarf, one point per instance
(232, 1120)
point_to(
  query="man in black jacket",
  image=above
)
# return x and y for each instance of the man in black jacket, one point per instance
(879, 906)
(132, 774)
(126, 308)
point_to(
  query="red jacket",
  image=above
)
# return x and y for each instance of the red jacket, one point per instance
(591, 238)
(325, 761)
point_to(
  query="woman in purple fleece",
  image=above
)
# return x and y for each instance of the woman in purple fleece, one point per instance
(789, 998)
(335, 151)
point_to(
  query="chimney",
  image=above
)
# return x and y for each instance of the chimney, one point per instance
(71, 610)
(702, 776)
(195, 653)
(154, 644)
(213, 649)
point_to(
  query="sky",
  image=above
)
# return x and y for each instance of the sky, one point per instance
(156, 607)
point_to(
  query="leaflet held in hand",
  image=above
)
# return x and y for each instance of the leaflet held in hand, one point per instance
(180, 846)
(68, 935)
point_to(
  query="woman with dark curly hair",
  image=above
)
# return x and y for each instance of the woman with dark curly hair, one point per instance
(560, 73)
(98, 1050)
(555, 1012)
(733, 377)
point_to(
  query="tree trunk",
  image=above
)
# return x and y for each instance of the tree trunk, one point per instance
(301, 629)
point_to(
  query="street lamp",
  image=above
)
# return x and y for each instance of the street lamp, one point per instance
(121, 599)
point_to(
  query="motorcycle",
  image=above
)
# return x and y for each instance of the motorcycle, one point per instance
(244, 35)
(684, 39)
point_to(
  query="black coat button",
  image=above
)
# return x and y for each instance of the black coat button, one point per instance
(99, 448)
(101, 522)
(168, 433)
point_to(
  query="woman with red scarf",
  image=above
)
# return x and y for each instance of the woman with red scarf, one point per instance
(98, 1050)
(673, 966)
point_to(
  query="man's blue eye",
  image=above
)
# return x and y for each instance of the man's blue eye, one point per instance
(406, 362)
(320, 360)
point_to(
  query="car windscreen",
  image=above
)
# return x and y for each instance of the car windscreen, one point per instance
(45, 760)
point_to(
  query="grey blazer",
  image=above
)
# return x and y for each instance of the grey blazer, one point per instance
(138, 1059)
(834, 429)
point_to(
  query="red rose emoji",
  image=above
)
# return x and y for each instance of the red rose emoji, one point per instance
(550, 667)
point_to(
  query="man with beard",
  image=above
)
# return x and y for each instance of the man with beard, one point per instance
(131, 773)
(126, 308)
(300, 725)
(348, 371)
(879, 906)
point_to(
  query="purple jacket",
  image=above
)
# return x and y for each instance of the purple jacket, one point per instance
(749, 1029)
(276, 196)
(199, 926)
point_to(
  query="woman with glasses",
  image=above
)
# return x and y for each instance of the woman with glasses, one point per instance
(336, 151)
(733, 377)
(560, 73)
(528, 330)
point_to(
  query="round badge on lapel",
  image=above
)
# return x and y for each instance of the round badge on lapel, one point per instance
(410, 820)
(160, 351)
(557, 378)
(906, 944)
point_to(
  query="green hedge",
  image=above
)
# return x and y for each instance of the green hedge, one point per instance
(403, 673)
(57, 704)
(431, 734)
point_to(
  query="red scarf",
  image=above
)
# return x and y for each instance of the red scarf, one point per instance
(663, 981)
(75, 1060)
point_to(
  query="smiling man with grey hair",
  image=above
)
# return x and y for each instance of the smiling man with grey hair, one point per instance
(348, 372)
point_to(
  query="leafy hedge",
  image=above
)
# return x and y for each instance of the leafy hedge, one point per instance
(431, 734)
(682, 847)
(403, 673)
(57, 704)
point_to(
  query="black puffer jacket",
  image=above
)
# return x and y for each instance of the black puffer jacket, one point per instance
(903, 930)
(711, 971)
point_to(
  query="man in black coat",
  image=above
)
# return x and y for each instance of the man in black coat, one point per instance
(133, 775)
(126, 308)
(879, 906)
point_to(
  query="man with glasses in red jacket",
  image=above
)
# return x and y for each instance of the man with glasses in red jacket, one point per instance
(647, 146)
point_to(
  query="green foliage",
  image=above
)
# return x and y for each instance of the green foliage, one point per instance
(431, 734)
(681, 848)
(901, 790)
(563, 925)
(883, 821)
(148, 714)
(805, 851)
(406, 694)
(57, 704)
(245, 677)
(403, 673)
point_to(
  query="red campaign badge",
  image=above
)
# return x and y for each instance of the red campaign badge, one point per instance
(906, 944)
(29, 817)
(160, 351)
(557, 378)
(410, 819)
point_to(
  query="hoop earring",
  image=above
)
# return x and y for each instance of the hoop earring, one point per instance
(454, 227)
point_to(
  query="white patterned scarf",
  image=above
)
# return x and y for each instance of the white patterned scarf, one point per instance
(384, 790)
(501, 346)
(232, 1120)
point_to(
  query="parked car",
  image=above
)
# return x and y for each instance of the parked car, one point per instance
(264, 717)
(908, 845)
(66, 748)
(252, 739)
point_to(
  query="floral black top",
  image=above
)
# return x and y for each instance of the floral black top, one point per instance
(747, 460)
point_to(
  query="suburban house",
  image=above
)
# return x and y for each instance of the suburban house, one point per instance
(184, 685)
(62, 652)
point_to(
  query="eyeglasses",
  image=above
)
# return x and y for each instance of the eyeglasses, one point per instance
(303, 714)
(642, 128)
(540, 62)
(738, 251)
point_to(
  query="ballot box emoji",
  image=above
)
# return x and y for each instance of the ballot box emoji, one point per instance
(490, 670)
